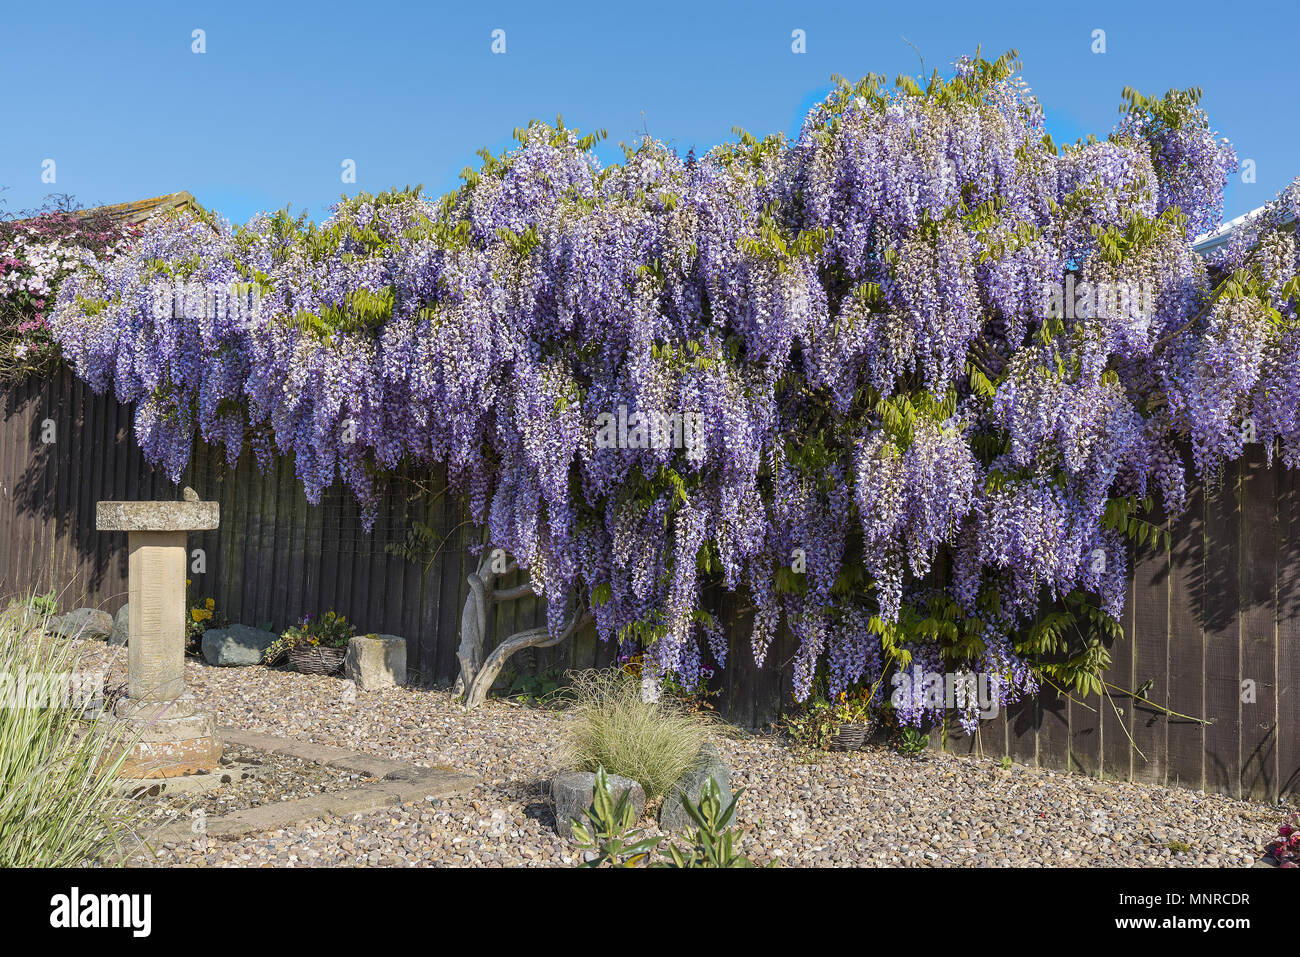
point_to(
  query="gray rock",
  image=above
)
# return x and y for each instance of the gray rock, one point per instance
(83, 623)
(376, 661)
(573, 791)
(236, 645)
(120, 626)
(672, 815)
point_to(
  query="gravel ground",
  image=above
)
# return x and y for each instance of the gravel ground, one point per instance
(870, 807)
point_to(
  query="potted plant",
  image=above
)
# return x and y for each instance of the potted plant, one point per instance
(852, 716)
(839, 725)
(314, 646)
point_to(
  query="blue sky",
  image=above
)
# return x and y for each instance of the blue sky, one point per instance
(285, 92)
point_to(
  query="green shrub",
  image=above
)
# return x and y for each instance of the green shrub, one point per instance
(612, 726)
(60, 804)
(911, 741)
(610, 840)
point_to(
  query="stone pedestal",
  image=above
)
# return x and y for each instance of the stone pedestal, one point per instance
(376, 661)
(171, 736)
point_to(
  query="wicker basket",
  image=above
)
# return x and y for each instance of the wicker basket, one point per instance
(850, 737)
(315, 660)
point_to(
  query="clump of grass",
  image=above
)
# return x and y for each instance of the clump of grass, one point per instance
(60, 803)
(612, 726)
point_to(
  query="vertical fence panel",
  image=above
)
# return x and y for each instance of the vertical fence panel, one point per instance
(1115, 709)
(282, 555)
(1186, 738)
(74, 430)
(263, 566)
(1147, 723)
(1223, 633)
(1257, 692)
(29, 462)
(1287, 651)
(412, 573)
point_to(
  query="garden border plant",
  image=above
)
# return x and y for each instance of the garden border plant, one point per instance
(608, 836)
(60, 801)
(611, 724)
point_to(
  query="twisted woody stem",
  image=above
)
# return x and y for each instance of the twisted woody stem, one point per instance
(478, 674)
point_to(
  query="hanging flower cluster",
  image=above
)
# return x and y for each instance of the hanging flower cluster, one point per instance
(895, 380)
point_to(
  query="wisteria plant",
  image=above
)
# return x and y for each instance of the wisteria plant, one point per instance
(942, 369)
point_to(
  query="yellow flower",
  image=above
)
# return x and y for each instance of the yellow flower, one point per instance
(210, 604)
(195, 613)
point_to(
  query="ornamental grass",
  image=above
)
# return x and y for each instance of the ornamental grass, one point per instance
(613, 725)
(60, 803)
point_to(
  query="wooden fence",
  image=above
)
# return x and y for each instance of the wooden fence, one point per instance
(1213, 622)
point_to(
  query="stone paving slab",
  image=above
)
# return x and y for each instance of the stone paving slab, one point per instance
(400, 784)
(358, 761)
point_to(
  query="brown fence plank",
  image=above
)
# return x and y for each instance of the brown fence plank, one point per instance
(1053, 729)
(250, 525)
(283, 546)
(1186, 752)
(413, 511)
(313, 592)
(43, 488)
(296, 568)
(991, 735)
(10, 431)
(433, 619)
(77, 438)
(1115, 709)
(1022, 731)
(455, 560)
(29, 496)
(1288, 635)
(1223, 633)
(1258, 576)
(1150, 640)
(268, 518)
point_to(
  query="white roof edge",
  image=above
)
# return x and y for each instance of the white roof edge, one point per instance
(1207, 242)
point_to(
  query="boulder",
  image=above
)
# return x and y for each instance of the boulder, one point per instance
(120, 626)
(235, 646)
(573, 791)
(376, 661)
(83, 623)
(672, 815)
